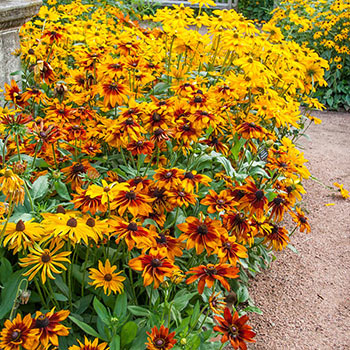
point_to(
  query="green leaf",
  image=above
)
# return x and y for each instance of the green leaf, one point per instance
(61, 285)
(254, 309)
(138, 310)
(242, 294)
(21, 216)
(101, 311)
(182, 299)
(61, 190)
(5, 269)
(120, 306)
(8, 293)
(40, 187)
(85, 327)
(115, 343)
(195, 314)
(60, 297)
(128, 333)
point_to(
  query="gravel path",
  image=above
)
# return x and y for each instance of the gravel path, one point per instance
(305, 297)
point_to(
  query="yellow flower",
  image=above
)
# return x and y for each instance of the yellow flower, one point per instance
(106, 277)
(202, 3)
(343, 191)
(45, 260)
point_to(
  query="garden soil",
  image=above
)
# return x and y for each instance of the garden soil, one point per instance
(305, 297)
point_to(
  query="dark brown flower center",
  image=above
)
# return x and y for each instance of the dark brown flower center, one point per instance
(72, 222)
(20, 226)
(107, 277)
(233, 330)
(106, 189)
(278, 201)
(259, 195)
(156, 117)
(90, 222)
(189, 175)
(139, 143)
(210, 270)
(198, 99)
(78, 168)
(130, 195)
(182, 194)
(220, 201)
(16, 335)
(202, 229)
(302, 219)
(158, 132)
(168, 175)
(60, 210)
(42, 322)
(45, 258)
(129, 121)
(132, 226)
(42, 134)
(161, 239)
(159, 343)
(156, 263)
(227, 245)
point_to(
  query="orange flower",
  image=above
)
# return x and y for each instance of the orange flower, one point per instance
(168, 178)
(131, 232)
(191, 180)
(277, 238)
(134, 201)
(160, 339)
(154, 268)
(201, 234)
(254, 198)
(19, 334)
(87, 203)
(218, 202)
(113, 93)
(301, 220)
(234, 329)
(230, 250)
(50, 327)
(179, 197)
(73, 173)
(209, 273)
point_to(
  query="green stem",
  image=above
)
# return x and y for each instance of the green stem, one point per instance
(132, 281)
(52, 295)
(84, 270)
(26, 189)
(11, 207)
(17, 145)
(43, 300)
(54, 155)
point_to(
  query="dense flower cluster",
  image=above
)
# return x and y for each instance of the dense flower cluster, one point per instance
(325, 27)
(152, 164)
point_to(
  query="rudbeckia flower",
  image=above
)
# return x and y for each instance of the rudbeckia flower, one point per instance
(48, 260)
(160, 339)
(19, 334)
(154, 268)
(89, 345)
(234, 329)
(207, 274)
(50, 327)
(107, 278)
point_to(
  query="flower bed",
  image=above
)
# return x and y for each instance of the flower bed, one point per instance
(324, 27)
(145, 176)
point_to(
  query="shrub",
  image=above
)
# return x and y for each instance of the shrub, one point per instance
(146, 173)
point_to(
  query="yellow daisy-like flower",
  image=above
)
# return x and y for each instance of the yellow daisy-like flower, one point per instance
(47, 260)
(106, 277)
(343, 191)
(22, 235)
(202, 3)
(88, 345)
